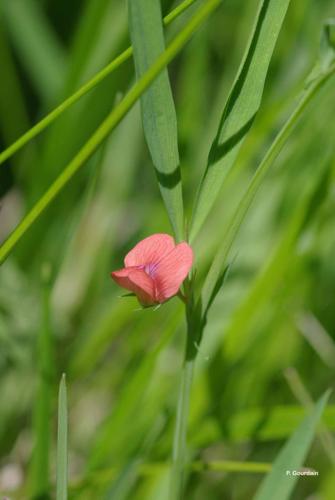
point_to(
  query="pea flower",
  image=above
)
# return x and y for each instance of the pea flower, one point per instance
(155, 269)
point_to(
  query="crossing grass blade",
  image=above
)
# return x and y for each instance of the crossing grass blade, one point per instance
(108, 125)
(62, 451)
(279, 485)
(83, 90)
(241, 108)
(158, 111)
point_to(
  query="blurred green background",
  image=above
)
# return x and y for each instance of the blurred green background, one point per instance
(269, 346)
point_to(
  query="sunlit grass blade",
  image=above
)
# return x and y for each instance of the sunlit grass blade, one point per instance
(279, 484)
(40, 473)
(220, 260)
(62, 451)
(241, 108)
(158, 111)
(37, 45)
(83, 90)
(108, 125)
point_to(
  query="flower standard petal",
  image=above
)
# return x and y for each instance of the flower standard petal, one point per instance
(150, 250)
(137, 281)
(172, 270)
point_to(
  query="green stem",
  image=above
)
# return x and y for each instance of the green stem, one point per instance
(179, 452)
(101, 75)
(179, 443)
(108, 125)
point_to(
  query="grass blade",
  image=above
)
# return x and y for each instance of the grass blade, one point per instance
(62, 453)
(241, 108)
(83, 90)
(107, 126)
(220, 260)
(278, 485)
(158, 111)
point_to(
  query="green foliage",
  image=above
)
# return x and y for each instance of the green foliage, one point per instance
(264, 259)
(106, 127)
(242, 106)
(220, 260)
(158, 111)
(37, 45)
(281, 480)
(95, 80)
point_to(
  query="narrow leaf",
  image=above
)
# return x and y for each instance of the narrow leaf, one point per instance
(158, 111)
(241, 108)
(220, 260)
(279, 484)
(62, 454)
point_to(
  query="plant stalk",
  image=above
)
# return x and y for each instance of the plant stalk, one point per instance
(179, 452)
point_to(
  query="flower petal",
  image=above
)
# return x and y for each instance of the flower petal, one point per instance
(150, 250)
(172, 270)
(137, 281)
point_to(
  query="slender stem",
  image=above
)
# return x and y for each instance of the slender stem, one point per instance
(179, 452)
(179, 443)
(101, 75)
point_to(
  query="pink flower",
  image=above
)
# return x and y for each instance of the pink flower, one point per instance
(155, 269)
